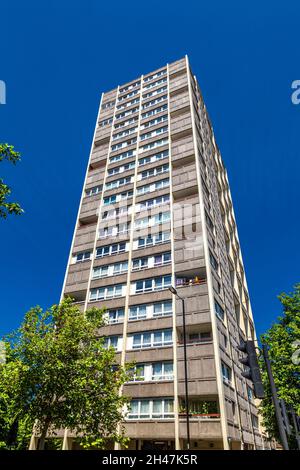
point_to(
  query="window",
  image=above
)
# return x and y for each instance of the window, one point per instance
(162, 218)
(155, 171)
(254, 420)
(150, 221)
(93, 191)
(117, 197)
(219, 311)
(138, 312)
(154, 339)
(84, 256)
(165, 199)
(110, 249)
(154, 102)
(153, 158)
(129, 87)
(152, 112)
(122, 145)
(209, 221)
(162, 371)
(128, 95)
(117, 183)
(152, 145)
(138, 373)
(155, 92)
(199, 337)
(130, 103)
(119, 135)
(108, 292)
(116, 315)
(157, 283)
(108, 105)
(105, 122)
(126, 123)
(154, 122)
(148, 135)
(164, 258)
(126, 113)
(155, 239)
(139, 263)
(122, 156)
(250, 393)
(153, 187)
(100, 271)
(213, 261)
(111, 342)
(156, 75)
(163, 308)
(226, 373)
(114, 231)
(110, 270)
(157, 309)
(110, 199)
(157, 408)
(120, 169)
(115, 213)
(156, 83)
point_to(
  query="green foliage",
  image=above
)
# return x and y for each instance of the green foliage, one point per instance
(283, 339)
(57, 375)
(8, 153)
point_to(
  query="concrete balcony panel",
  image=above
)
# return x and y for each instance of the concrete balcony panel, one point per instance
(84, 238)
(149, 389)
(184, 182)
(150, 297)
(109, 280)
(151, 324)
(152, 250)
(189, 256)
(74, 288)
(145, 429)
(95, 177)
(108, 304)
(180, 124)
(181, 100)
(149, 355)
(177, 83)
(201, 428)
(198, 387)
(90, 206)
(151, 272)
(105, 260)
(115, 329)
(182, 149)
(154, 151)
(176, 67)
(155, 229)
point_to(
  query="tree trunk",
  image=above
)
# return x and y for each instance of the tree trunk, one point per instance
(44, 434)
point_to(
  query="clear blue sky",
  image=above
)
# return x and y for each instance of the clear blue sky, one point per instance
(58, 56)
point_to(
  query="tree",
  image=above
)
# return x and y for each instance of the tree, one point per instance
(8, 153)
(59, 374)
(283, 340)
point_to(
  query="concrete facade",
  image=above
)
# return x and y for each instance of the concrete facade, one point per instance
(169, 221)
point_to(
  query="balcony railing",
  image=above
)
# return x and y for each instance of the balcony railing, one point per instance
(206, 416)
(183, 282)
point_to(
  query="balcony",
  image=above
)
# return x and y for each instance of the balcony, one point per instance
(182, 148)
(201, 428)
(204, 416)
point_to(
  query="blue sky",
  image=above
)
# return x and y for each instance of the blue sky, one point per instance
(56, 59)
